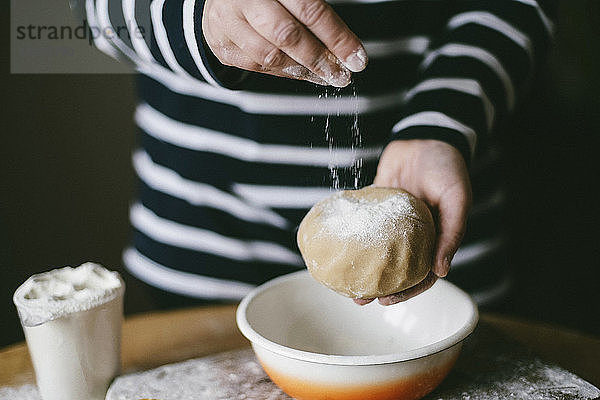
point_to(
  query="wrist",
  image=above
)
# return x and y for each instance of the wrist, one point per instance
(226, 76)
(445, 135)
(412, 164)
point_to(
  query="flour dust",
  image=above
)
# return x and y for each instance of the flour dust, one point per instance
(343, 177)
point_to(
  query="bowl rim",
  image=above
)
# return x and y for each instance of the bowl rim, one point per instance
(320, 358)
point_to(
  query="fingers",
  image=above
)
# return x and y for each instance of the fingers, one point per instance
(302, 39)
(274, 23)
(329, 28)
(262, 56)
(453, 209)
(404, 295)
(409, 293)
(362, 302)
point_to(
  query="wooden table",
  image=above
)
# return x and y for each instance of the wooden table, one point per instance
(154, 339)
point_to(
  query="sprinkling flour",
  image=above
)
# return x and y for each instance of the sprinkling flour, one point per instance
(344, 177)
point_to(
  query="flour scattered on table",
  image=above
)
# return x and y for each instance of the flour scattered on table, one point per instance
(25, 392)
(491, 367)
(227, 376)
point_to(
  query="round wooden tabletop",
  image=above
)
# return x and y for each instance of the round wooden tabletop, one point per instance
(158, 338)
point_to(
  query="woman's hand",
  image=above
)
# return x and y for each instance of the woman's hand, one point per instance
(435, 172)
(301, 39)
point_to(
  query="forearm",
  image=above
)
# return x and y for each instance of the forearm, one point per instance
(156, 36)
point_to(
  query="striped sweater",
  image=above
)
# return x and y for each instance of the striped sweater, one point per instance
(229, 161)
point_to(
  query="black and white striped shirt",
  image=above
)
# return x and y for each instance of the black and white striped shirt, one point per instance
(230, 161)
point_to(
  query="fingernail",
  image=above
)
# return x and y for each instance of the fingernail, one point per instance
(445, 266)
(341, 78)
(338, 77)
(391, 299)
(315, 79)
(357, 61)
(362, 302)
(300, 72)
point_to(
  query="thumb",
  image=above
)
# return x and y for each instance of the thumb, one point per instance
(452, 222)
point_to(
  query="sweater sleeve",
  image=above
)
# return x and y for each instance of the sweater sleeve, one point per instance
(479, 66)
(163, 36)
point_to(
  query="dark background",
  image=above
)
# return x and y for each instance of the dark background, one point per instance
(67, 180)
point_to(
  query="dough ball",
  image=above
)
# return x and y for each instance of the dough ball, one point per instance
(368, 243)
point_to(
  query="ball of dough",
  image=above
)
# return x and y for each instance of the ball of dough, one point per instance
(368, 243)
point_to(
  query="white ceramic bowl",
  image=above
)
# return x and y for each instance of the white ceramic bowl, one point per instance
(316, 344)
